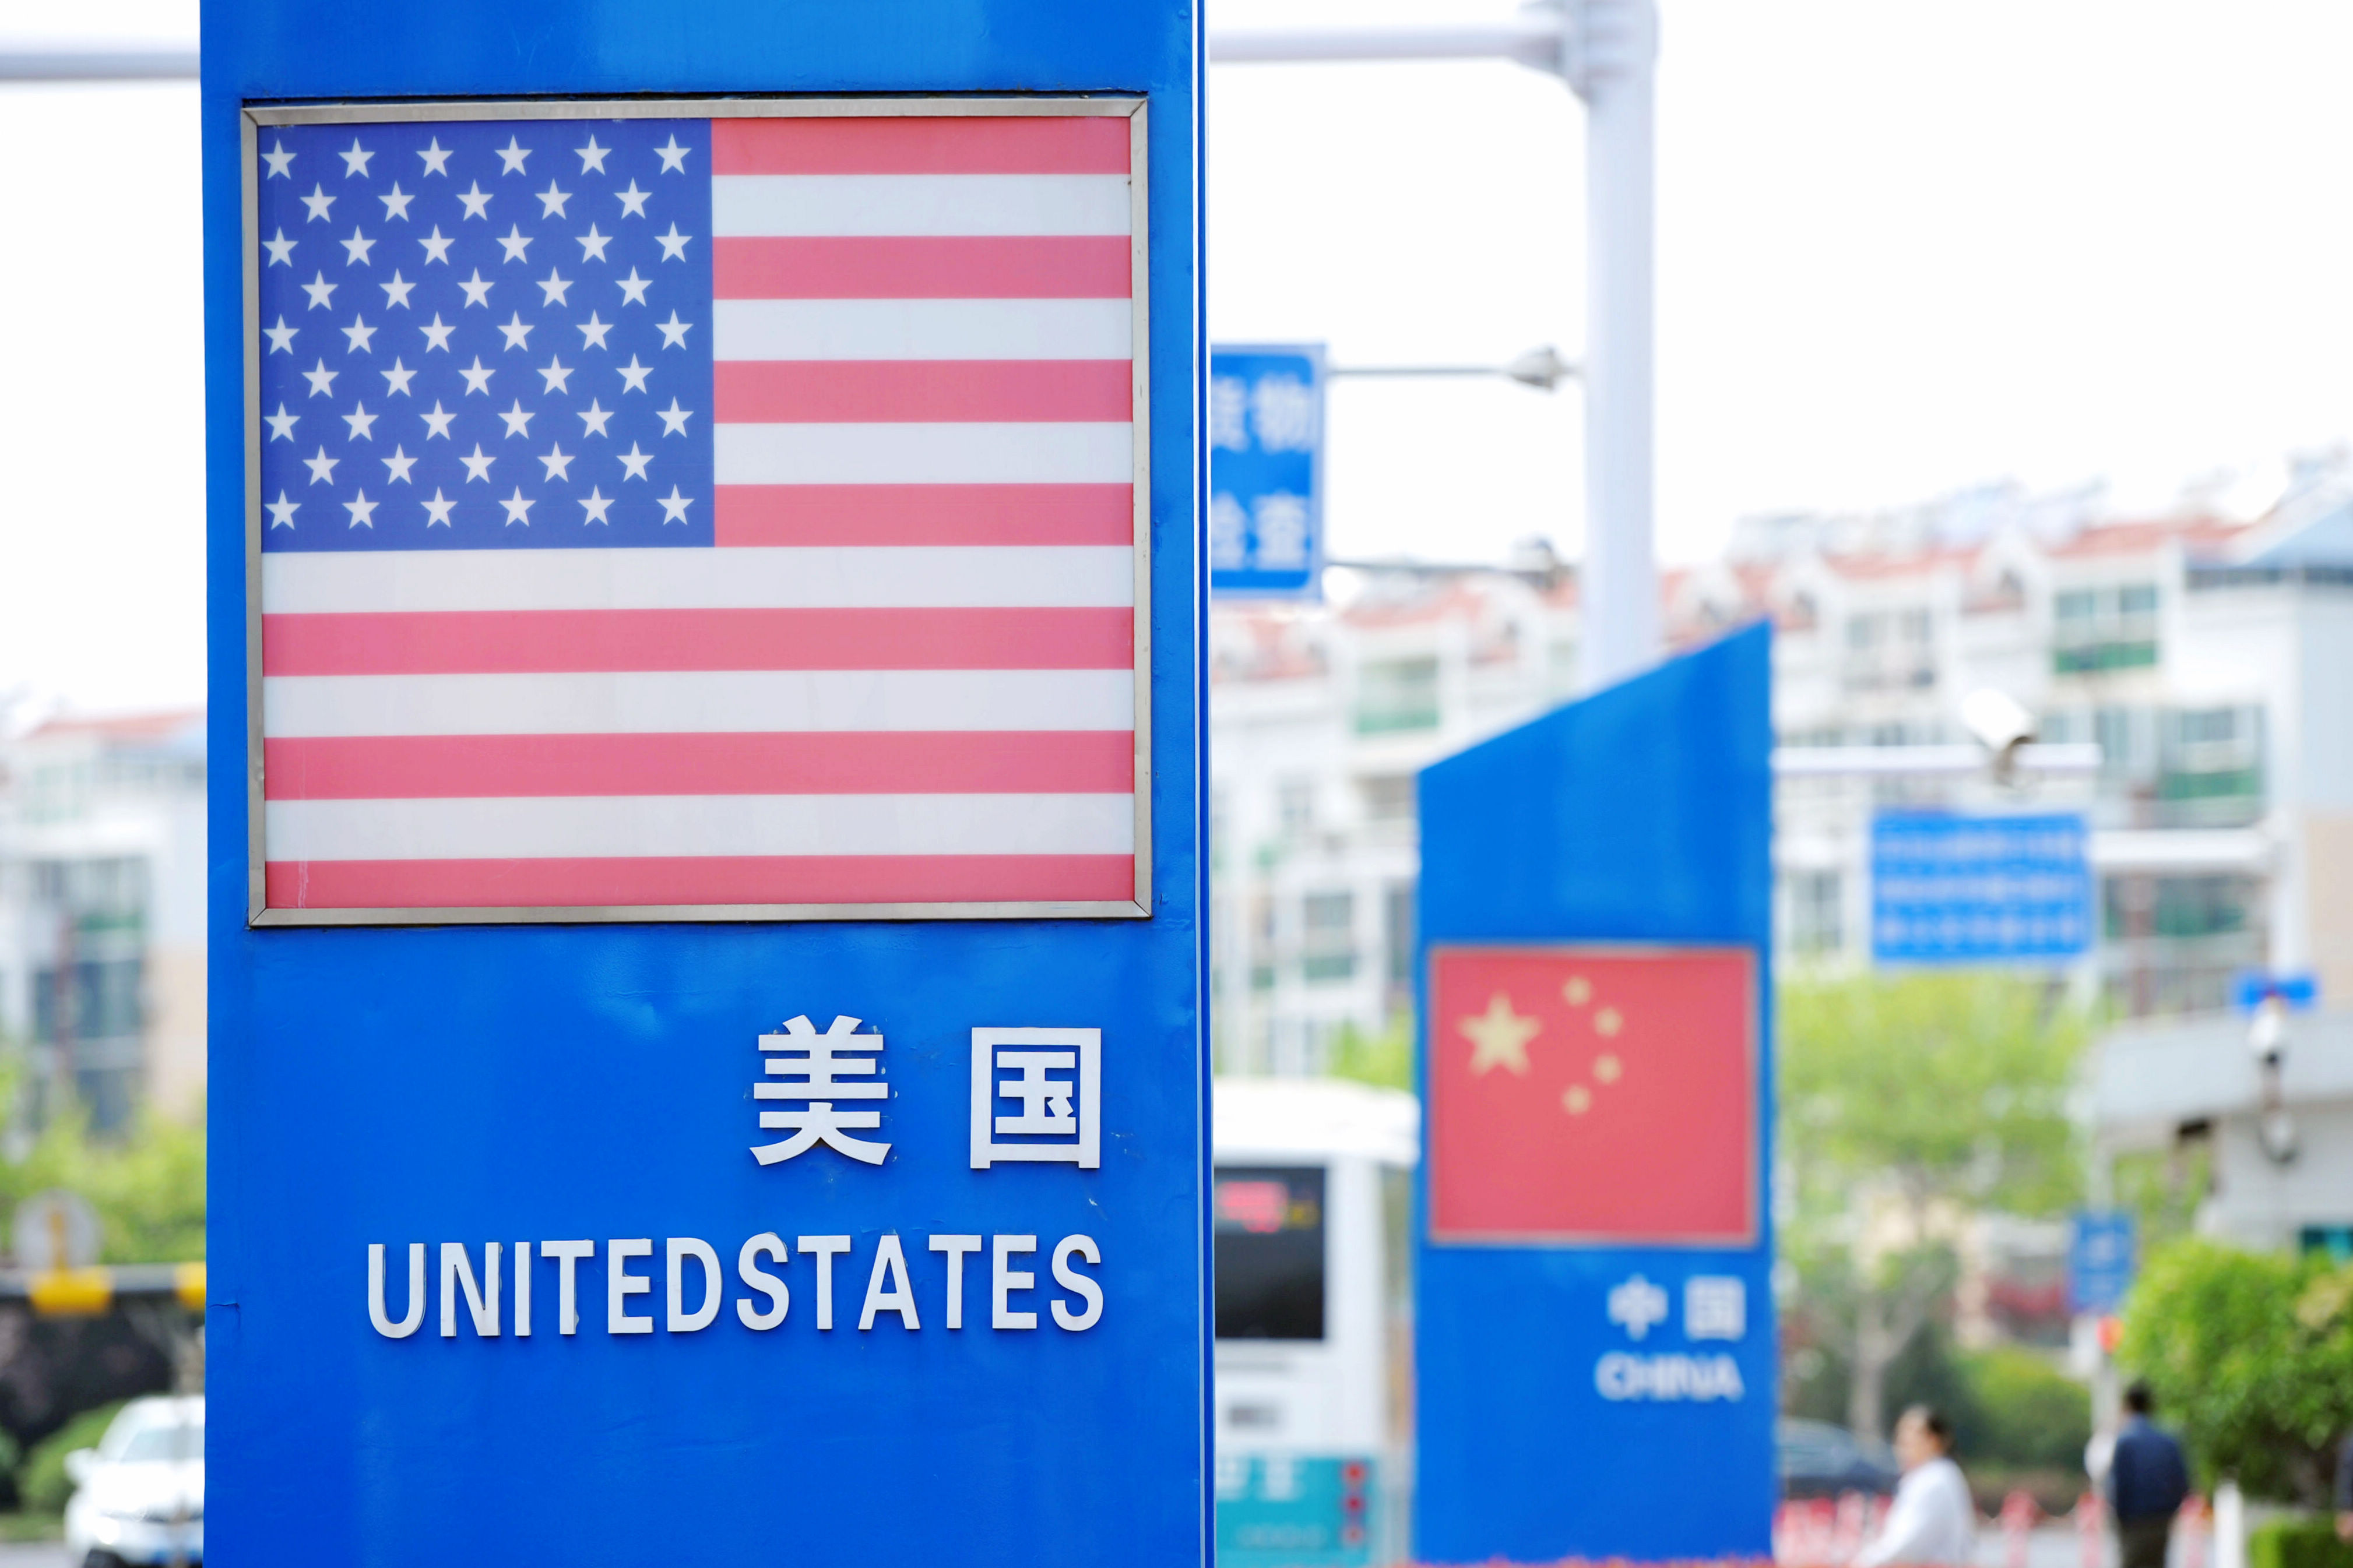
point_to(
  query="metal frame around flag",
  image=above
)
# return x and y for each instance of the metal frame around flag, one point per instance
(1751, 1038)
(251, 121)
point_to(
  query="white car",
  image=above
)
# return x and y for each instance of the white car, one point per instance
(140, 1494)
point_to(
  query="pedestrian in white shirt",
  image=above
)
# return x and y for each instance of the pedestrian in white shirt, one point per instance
(1933, 1520)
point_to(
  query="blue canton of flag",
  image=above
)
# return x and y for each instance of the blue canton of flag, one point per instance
(486, 335)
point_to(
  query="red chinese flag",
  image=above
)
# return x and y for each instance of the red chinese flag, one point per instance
(1593, 1094)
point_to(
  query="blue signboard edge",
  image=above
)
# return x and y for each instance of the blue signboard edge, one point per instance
(444, 49)
(1540, 909)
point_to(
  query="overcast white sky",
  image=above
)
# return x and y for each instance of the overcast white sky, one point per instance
(1905, 246)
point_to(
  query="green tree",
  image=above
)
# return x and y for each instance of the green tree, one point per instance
(1383, 1060)
(146, 1183)
(1936, 1093)
(2252, 1355)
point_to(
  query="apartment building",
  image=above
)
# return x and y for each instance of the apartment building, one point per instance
(102, 913)
(2212, 660)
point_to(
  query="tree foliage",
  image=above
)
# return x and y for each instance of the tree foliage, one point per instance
(1383, 1060)
(2252, 1355)
(1948, 1085)
(1940, 1094)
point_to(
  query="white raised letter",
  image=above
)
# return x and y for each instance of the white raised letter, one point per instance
(481, 1304)
(955, 1247)
(522, 1290)
(376, 1314)
(620, 1285)
(900, 1298)
(567, 1256)
(824, 1248)
(747, 1269)
(1003, 1281)
(1070, 1280)
(681, 1249)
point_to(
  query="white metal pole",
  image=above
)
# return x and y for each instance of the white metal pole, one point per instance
(1612, 67)
(1607, 51)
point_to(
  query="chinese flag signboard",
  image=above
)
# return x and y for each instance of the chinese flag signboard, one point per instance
(1593, 1094)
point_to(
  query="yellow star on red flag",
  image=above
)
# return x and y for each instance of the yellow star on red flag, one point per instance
(1499, 1037)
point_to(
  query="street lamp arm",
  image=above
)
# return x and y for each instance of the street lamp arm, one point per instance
(1533, 38)
(1541, 368)
(98, 62)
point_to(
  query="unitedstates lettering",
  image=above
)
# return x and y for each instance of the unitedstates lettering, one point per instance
(482, 1289)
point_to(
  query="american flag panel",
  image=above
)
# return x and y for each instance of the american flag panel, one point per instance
(698, 514)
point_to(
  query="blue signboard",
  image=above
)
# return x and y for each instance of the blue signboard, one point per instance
(1594, 1338)
(2100, 1259)
(706, 984)
(2251, 988)
(1302, 1510)
(1266, 461)
(1947, 889)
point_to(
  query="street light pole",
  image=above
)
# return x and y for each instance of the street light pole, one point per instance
(1607, 50)
(1611, 60)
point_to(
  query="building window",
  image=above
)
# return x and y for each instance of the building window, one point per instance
(2097, 629)
(1815, 910)
(1327, 938)
(1397, 934)
(1891, 651)
(1262, 937)
(1295, 807)
(1387, 799)
(89, 1001)
(1396, 694)
(2211, 767)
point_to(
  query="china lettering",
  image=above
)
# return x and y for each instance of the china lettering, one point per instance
(474, 1297)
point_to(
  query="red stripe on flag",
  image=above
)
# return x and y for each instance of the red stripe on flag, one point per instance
(712, 879)
(947, 144)
(1024, 266)
(420, 767)
(760, 392)
(469, 642)
(751, 515)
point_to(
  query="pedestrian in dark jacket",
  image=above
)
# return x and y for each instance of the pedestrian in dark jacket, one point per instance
(2146, 1481)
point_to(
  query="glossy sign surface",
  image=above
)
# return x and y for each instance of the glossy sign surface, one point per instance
(1594, 1338)
(721, 1173)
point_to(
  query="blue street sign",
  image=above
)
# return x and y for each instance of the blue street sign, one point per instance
(2100, 1261)
(683, 1084)
(1594, 1336)
(1947, 889)
(2251, 988)
(1266, 471)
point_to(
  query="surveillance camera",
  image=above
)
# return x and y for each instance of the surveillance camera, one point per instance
(1997, 721)
(2267, 1035)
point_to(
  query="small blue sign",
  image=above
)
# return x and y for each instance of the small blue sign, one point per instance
(1295, 1511)
(1967, 889)
(1266, 471)
(2251, 988)
(2100, 1255)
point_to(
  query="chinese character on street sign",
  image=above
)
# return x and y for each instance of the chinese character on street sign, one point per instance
(1947, 889)
(1266, 458)
(1715, 1307)
(728, 517)
(814, 1066)
(1037, 1094)
(1579, 1094)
